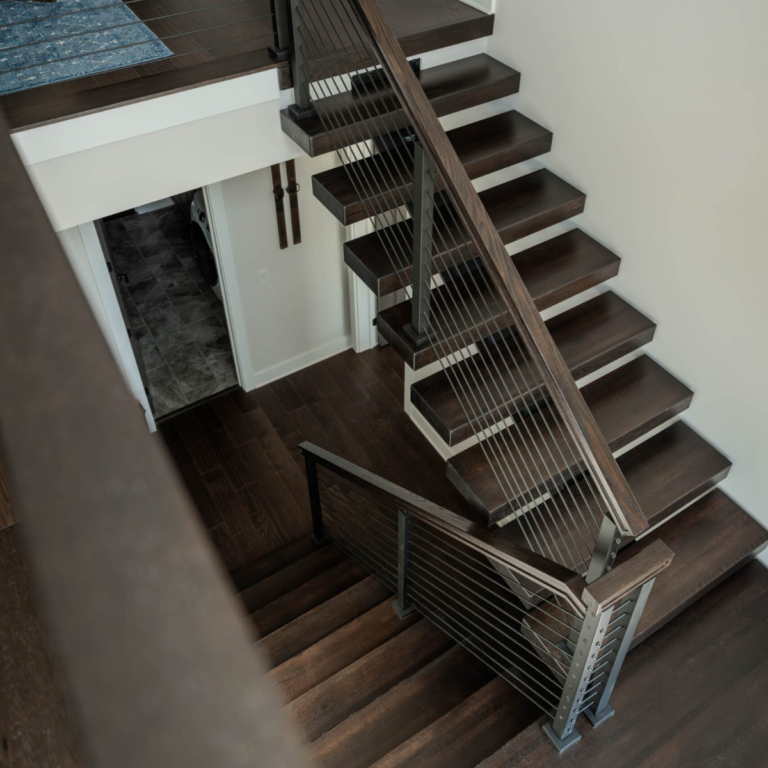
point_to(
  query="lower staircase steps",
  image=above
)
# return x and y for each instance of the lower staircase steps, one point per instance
(402, 712)
(589, 337)
(450, 88)
(340, 649)
(468, 733)
(332, 701)
(665, 473)
(315, 625)
(483, 147)
(517, 208)
(307, 596)
(575, 263)
(369, 689)
(626, 403)
(312, 563)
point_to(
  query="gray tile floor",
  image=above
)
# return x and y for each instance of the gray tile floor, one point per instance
(177, 319)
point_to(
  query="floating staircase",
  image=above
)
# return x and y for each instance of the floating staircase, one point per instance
(367, 689)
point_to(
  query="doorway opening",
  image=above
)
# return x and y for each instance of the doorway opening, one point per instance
(162, 262)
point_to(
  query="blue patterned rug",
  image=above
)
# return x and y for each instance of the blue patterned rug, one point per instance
(51, 42)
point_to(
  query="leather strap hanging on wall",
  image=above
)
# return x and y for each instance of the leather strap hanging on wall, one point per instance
(279, 193)
(293, 193)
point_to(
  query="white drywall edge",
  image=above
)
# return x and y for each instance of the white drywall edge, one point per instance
(77, 134)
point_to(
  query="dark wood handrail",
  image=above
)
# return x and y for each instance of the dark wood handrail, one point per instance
(555, 577)
(578, 419)
(613, 587)
(157, 659)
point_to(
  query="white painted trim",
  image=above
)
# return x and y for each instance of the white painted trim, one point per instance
(481, 6)
(158, 205)
(106, 289)
(65, 137)
(362, 313)
(233, 301)
(304, 360)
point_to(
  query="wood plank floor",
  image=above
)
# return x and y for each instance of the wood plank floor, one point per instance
(213, 43)
(697, 691)
(238, 455)
(35, 730)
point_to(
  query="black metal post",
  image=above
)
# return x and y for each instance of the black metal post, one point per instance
(300, 65)
(281, 50)
(318, 530)
(419, 329)
(402, 603)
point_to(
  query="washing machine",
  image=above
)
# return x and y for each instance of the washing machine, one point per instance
(202, 243)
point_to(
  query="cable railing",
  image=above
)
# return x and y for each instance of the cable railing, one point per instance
(49, 43)
(564, 655)
(561, 483)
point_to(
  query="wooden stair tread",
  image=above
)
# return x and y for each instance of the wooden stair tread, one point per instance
(308, 629)
(449, 87)
(338, 650)
(309, 595)
(711, 539)
(570, 272)
(626, 403)
(276, 561)
(517, 208)
(665, 472)
(285, 580)
(483, 147)
(355, 686)
(469, 733)
(401, 712)
(589, 336)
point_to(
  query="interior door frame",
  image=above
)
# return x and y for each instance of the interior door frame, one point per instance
(97, 258)
(234, 308)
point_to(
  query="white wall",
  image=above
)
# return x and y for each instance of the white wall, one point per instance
(300, 315)
(659, 113)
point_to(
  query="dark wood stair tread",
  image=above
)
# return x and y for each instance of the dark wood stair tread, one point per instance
(355, 686)
(309, 595)
(325, 619)
(346, 645)
(517, 208)
(469, 733)
(573, 264)
(276, 561)
(385, 181)
(665, 472)
(449, 87)
(290, 577)
(711, 540)
(626, 403)
(589, 337)
(401, 712)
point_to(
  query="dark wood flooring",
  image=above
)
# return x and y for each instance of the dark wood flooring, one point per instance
(696, 692)
(35, 730)
(213, 44)
(238, 455)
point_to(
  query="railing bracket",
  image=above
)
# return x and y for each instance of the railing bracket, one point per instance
(561, 745)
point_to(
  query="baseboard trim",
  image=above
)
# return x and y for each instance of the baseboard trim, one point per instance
(298, 363)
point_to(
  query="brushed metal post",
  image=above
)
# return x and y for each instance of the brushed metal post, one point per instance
(302, 107)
